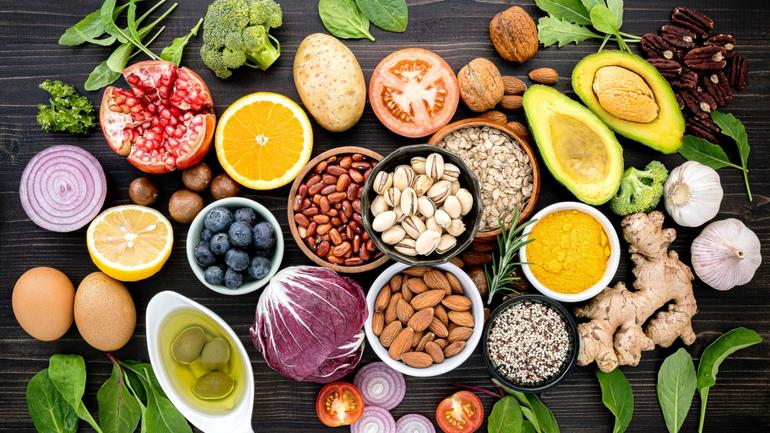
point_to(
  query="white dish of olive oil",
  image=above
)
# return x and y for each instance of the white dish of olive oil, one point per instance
(200, 364)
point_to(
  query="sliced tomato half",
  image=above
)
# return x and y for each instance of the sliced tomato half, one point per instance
(461, 412)
(339, 403)
(414, 92)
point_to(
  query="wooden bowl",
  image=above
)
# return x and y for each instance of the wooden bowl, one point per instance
(529, 209)
(343, 150)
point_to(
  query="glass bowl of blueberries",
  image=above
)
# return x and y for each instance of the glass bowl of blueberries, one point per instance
(234, 246)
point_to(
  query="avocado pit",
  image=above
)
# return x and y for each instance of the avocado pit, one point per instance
(625, 95)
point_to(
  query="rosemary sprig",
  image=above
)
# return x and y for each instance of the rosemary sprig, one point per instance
(502, 272)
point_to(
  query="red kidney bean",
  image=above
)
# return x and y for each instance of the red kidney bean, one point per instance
(333, 212)
(323, 202)
(336, 197)
(351, 192)
(344, 218)
(361, 165)
(342, 249)
(357, 218)
(346, 162)
(328, 189)
(356, 176)
(356, 242)
(358, 157)
(331, 258)
(357, 206)
(302, 191)
(302, 232)
(336, 170)
(329, 179)
(323, 229)
(321, 218)
(297, 203)
(370, 246)
(355, 261)
(336, 221)
(343, 183)
(331, 159)
(323, 249)
(311, 228)
(310, 211)
(301, 220)
(335, 236)
(315, 188)
(321, 167)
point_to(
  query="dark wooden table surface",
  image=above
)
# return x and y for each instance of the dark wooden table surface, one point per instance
(457, 30)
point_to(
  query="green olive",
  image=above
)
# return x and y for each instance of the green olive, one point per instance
(187, 346)
(215, 354)
(213, 386)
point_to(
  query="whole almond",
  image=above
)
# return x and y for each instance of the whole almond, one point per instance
(457, 287)
(389, 333)
(431, 298)
(544, 76)
(435, 279)
(457, 262)
(441, 342)
(382, 300)
(435, 351)
(513, 85)
(404, 311)
(511, 103)
(401, 344)
(417, 359)
(438, 328)
(426, 338)
(440, 312)
(406, 294)
(461, 333)
(454, 348)
(395, 282)
(519, 129)
(417, 285)
(417, 271)
(390, 311)
(457, 303)
(416, 339)
(378, 322)
(462, 318)
(494, 115)
(421, 320)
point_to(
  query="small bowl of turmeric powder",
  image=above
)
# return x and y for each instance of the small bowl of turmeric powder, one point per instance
(574, 252)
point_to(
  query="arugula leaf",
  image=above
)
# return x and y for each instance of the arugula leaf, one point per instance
(617, 397)
(118, 411)
(709, 154)
(568, 10)
(68, 374)
(390, 15)
(676, 388)
(49, 411)
(553, 30)
(616, 7)
(173, 52)
(343, 19)
(506, 416)
(733, 128)
(88, 29)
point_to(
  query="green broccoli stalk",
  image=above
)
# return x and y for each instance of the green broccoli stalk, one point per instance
(236, 33)
(640, 190)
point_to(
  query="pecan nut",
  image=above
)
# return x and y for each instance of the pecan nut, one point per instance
(718, 87)
(686, 80)
(704, 128)
(693, 20)
(698, 102)
(722, 40)
(738, 71)
(655, 47)
(668, 68)
(711, 58)
(677, 36)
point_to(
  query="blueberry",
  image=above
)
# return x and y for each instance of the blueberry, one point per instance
(206, 235)
(214, 275)
(233, 279)
(237, 259)
(264, 236)
(203, 255)
(247, 215)
(259, 267)
(218, 219)
(240, 234)
(219, 244)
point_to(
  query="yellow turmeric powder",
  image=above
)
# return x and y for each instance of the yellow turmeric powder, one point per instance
(570, 251)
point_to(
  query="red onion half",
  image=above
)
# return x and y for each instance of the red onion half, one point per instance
(62, 188)
(414, 423)
(374, 420)
(380, 385)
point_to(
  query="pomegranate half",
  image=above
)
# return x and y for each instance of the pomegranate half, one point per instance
(164, 122)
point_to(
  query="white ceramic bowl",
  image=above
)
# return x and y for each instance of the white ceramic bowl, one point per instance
(449, 364)
(233, 203)
(612, 261)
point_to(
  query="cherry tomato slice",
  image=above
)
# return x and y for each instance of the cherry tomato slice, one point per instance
(461, 412)
(414, 92)
(339, 403)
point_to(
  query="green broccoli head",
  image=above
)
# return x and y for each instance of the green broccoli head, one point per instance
(236, 33)
(640, 190)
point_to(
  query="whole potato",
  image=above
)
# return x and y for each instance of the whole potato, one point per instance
(330, 82)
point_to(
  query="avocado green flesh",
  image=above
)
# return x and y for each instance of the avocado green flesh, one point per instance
(664, 133)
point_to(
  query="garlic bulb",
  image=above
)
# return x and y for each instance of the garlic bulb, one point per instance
(726, 254)
(692, 194)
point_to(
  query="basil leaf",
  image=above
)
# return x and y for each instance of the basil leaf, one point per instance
(716, 352)
(710, 154)
(604, 20)
(676, 388)
(173, 52)
(161, 416)
(506, 416)
(49, 411)
(119, 412)
(390, 15)
(343, 19)
(553, 30)
(733, 128)
(569, 10)
(616, 7)
(617, 397)
(68, 374)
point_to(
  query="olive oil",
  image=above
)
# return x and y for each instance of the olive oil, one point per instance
(184, 376)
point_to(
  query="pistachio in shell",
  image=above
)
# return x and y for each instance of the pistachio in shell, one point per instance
(215, 354)
(188, 344)
(214, 386)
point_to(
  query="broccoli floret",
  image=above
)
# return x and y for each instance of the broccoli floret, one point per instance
(640, 190)
(236, 33)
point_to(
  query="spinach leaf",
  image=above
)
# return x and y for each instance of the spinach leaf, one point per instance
(506, 416)
(535, 412)
(617, 397)
(119, 412)
(135, 388)
(527, 427)
(88, 29)
(572, 11)
(552, 30)
(699, 150)
(173, 52)
(161, 416)
(68, 374)
(616, 7)
(343, 19)
(604, 20)
(733, 128)
(390, 15)
(49, 411)
(676, 388)
(708, 366)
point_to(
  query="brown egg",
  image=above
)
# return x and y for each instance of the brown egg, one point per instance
(104, 312)
(42, 303)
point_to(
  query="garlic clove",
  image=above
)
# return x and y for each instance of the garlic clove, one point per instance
(692, 194)
(726, 254)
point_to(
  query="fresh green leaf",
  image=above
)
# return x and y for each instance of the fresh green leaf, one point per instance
(343, 19)
(68, 374)
(161, 416)
(537, 413)
(89, 29)
(568, 10)
(501, 274)
(604, 20)
(101, 76)
(173, 52)
(589, 4)
(120, 57)
(131, 25)
(709, 154)
(49, 411)
(527, 427)
(135, 388)
(617, 397)
(716, 352)
(107, 17)
(390, 15)
(733, 128)
(554, 30)
(616, 7)
(119, 412)
(506, 416)
(676, 388)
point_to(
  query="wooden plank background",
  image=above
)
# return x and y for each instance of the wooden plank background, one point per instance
(457, 30)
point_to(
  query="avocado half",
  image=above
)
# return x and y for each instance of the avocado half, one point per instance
(580, 151)
(664, 132)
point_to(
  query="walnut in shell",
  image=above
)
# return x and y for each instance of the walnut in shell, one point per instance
(481, 85)
(514, 35)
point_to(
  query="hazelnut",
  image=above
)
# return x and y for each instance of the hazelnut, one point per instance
(514, 35)
(197, 178)
(143, 191)
(224, 186)
(481, 85)
(184, 205)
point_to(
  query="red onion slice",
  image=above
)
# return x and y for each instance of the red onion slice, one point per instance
(381, 385)
(374, 420)
(62, 188)
(414, 423)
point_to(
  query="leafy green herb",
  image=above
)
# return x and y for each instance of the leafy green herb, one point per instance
(506, 416)
(130, 34)
(538, 418)
(712, 357)
(676, 388)
(68, 374)
(571, 11)
(173, 52)
(118, 411)
(568, 21)
(617, 397)
(501, 273)
(699, 150)
(616, 7)
(49, 411)
(343, 19)
(68, 111)
(389, 15)
(553, 30)
(733, 128)
(161, 415)
(89, 29)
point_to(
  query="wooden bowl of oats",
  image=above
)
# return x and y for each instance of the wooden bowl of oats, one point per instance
(503, 162)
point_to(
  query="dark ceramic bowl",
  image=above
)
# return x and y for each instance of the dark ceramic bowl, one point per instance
(468, 181)
(571, 329)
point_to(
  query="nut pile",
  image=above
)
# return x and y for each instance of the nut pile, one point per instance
(328, 210)
(703, 69)
(419, 207)
(422, 316)
(502, 167)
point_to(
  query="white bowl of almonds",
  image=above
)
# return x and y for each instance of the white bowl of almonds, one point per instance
(424, 320)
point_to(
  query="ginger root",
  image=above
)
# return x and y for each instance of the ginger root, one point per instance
(613, 336)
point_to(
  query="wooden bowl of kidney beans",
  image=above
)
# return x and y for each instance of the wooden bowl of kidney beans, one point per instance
(324, 210)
